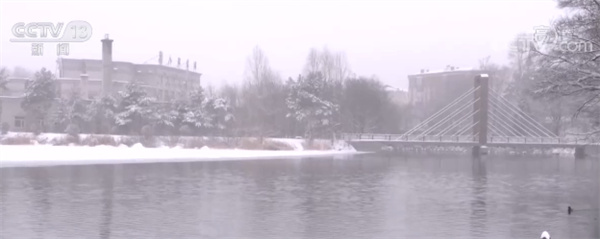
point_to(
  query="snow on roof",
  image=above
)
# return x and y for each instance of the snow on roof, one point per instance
(444, 71)
(395, 89)
(12, 96)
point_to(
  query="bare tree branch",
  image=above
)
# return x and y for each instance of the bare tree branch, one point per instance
(597, 4)
(587, 102)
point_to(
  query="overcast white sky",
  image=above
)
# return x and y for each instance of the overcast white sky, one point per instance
(390, 39)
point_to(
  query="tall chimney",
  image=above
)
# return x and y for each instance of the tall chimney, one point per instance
(107, 67)
(160, 58)
(84, 86)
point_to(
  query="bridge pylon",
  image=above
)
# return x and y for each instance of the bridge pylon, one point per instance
(480, 108)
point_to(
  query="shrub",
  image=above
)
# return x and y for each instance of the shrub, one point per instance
(5, 128)
(72, 133)
(19, 139)
(62, 141)
(250, 144)
(276, 145)
(129, 140)
(316, 145)
(232, 141)
(171, 141)
(217, 143)
(94, 140)
(195, 142)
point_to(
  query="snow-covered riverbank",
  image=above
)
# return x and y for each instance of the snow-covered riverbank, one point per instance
(14, 138)
(45, 155)
(49, 149)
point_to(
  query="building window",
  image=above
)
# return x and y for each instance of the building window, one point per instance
(41, 123)
(19, 122)
(419, 84)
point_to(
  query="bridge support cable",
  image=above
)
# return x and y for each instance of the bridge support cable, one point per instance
(533, 122)
(508, 131)
(460, 133)
(464, 129)
(445, 120)
(524, 115)
(495, 131)
(514, 120)
(509, 126)
(457, 123)
(520, 121)
(440, 112)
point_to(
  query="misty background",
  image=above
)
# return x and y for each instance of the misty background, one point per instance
(388, 39)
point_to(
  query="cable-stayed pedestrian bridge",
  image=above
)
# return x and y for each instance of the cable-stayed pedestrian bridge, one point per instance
(479, 117)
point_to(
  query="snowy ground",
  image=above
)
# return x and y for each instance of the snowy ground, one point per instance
(45, 155)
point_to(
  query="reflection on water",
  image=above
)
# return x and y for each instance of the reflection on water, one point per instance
(478, 207)
(367, 196)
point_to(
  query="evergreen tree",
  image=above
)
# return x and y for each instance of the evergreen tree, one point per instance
(3, 79)
(101, 113)
(40, 94)
(135, 109)
(307, 103)
(195, 116)
(72, 110)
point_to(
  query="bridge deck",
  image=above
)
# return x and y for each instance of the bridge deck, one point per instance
(468, 140)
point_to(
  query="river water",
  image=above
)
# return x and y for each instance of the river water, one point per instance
(364, 196)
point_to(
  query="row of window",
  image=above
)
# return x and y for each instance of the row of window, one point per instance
(20, 122)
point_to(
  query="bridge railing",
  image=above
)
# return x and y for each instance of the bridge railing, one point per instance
(538, 140)
(409, 138)
(467, 139)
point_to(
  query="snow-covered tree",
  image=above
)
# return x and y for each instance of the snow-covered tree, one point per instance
(219, 113)
(166, 118)
(72, 110)
(3, 82)
(3, 79)
(207, 112)
(40, 93)
(101, 114)
(307, 103)
(135, 109)
(195, 114)
(334, 69)
(171, 116)
(570, 65)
